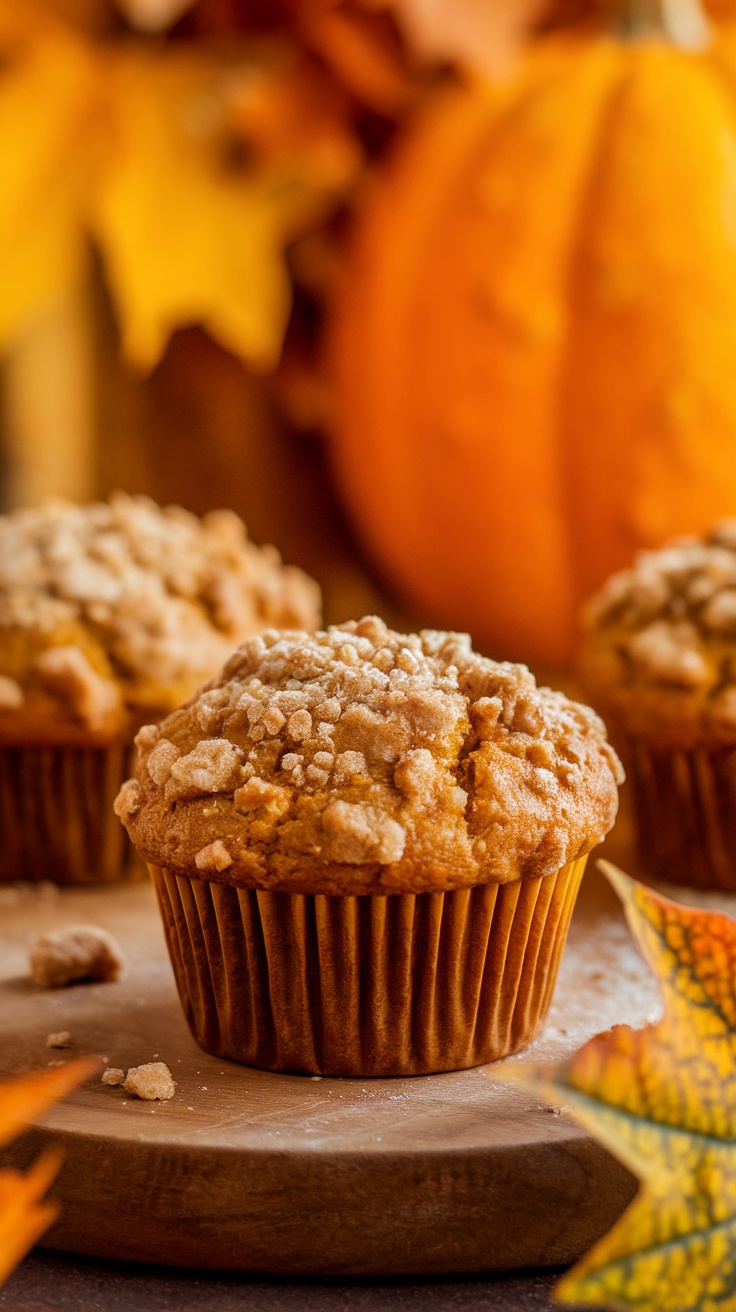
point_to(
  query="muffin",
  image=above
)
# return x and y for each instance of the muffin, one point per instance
(659, 663)
(366, 848)
(111, 614)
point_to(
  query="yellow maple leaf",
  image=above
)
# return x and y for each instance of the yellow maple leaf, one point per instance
(25, 1212)
(163, 152)
(192, 223)
(47, 83)
(663, 1100)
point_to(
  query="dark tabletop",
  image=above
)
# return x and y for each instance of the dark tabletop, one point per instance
(53, 1282)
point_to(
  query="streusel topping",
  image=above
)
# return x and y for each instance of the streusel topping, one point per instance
(359, 759)
(124, 604)
(660, 649)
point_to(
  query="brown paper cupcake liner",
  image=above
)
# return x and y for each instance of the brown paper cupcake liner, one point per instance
(56, 816)
(404, 984)
(685, 808)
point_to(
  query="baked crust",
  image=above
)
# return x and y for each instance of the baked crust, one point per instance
(113, 613)
(659, 658)
(359, 760)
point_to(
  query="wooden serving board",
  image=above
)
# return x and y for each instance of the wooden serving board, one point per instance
(252, 1171)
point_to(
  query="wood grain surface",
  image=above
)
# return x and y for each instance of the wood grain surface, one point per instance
(55, 1282)
(245, 1170)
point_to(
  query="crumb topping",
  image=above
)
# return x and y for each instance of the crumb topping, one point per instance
(214, 856)
(75, 954)
(92, 699)
(359, 758)
(660, 647)
(124, 604)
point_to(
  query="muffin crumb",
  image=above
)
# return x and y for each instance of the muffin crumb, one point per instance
(66, 672)
(213, 857)
(77, 954)
(161, 760)
(260, 794)
(128, 800)
(355, 833)
(113, 1075)
(153, 1080)
(62, 1039)
(213, 766)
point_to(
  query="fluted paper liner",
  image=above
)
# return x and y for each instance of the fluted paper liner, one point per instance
(685, 807)
(56, 816)
(403, 984)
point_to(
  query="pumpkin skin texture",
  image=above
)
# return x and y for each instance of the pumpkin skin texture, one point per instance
(534, 357)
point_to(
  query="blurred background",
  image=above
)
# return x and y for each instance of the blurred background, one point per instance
(439, 295)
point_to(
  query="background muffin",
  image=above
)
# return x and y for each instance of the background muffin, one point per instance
(110, 615)
(318, 776)
(659, 663)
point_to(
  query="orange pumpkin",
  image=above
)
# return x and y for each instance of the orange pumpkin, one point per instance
(535, 353)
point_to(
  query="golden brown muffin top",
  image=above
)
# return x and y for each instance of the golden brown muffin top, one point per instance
(660, 648)
(123, 608)
(359, 760)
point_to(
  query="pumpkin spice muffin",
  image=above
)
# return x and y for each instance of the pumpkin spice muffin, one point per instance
(111, 614)
(367, 847)
(659, 663)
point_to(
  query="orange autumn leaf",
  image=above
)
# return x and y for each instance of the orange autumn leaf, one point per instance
(362, 49)
(663, 1100)
(24, 1098)
(25, 1212)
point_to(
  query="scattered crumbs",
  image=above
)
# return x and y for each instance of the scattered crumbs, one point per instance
(155, 1057)
(113, 1075)
(203, 1088)
(61, 1040)
(75, 954)
(316, 1077)
(190, 1109)
(550, 1110)
(151, 1080)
